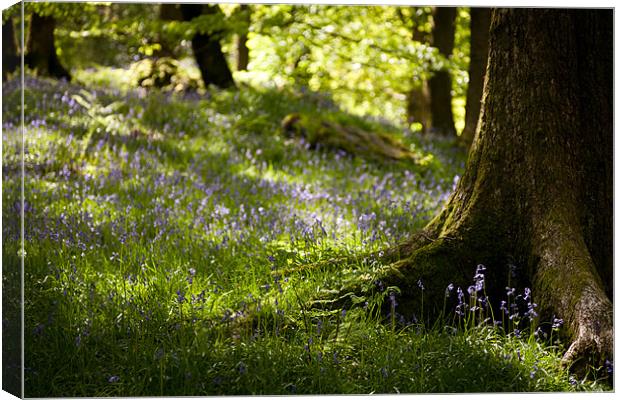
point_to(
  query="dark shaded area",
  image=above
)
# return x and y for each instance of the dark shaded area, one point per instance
(41, 48)
(10, 54)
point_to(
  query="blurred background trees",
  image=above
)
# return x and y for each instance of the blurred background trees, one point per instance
(405, 65)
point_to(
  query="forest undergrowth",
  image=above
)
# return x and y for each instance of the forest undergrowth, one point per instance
(167, 238)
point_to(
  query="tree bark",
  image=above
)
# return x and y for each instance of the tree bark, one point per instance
(440, 84)
(243, 53)
(207, 49)
(479, 52)
(41, 48)
(537, 192)
(10, 54)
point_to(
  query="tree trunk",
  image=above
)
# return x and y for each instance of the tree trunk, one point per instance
(418, 98)
(537, 192)
(243, 53)
(479, 52)
(168, 12)
(440, 84)
(207, 49)
(41, 49)
(10, 54)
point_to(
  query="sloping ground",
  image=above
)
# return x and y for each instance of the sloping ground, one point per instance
(158, 230)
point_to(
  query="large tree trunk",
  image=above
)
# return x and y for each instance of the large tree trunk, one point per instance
(207, 49)
(440, 84)
(41, 48)
(10, 54)
(537, 192)
(479, 52)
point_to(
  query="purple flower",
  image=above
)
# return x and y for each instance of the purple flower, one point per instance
(180, 296)
(420, 285)
(531, 313)
(449, 289)
(242, 368)
(609, 366)
(393, 302)
(557, 323)
(114, 379)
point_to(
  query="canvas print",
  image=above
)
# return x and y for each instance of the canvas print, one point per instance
(290, 199)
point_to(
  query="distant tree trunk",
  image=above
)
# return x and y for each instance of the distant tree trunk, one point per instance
(537, 192)
(418, 98)
(168, 12)
(41, 48)
(479, 52)
(10, 54)
(243, 53)
(440, 84)
(207, 49)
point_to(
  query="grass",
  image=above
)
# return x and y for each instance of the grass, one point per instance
(160, 235)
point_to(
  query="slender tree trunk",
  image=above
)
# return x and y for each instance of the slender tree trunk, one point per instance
(440, 84)
(207, 49)
(537, 192)
(243, 53)
(10, 53)
(418, 98)
(41, 48)
(479, 52)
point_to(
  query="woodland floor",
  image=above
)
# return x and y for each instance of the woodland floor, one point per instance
(167, 239)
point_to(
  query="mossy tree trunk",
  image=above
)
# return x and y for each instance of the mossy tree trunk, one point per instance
(538, 187)
(10, 54)
(440, 84)
(479, 52)
(41, 48)
(207, 49)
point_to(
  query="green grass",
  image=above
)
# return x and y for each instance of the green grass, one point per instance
(159, 233)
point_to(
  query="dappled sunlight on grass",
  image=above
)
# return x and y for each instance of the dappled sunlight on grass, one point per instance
(169, 243)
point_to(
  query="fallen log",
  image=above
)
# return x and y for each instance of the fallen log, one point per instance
(350, 139)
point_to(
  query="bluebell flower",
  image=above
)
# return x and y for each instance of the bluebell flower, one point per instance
(180, 296)
(609, 366)
(449, 289)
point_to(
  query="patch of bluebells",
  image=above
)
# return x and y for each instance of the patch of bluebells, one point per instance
(516, 310)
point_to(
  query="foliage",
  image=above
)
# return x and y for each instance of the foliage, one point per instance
(168, 240)
(363, 55)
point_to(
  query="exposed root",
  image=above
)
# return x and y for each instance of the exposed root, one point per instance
(569, 286)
